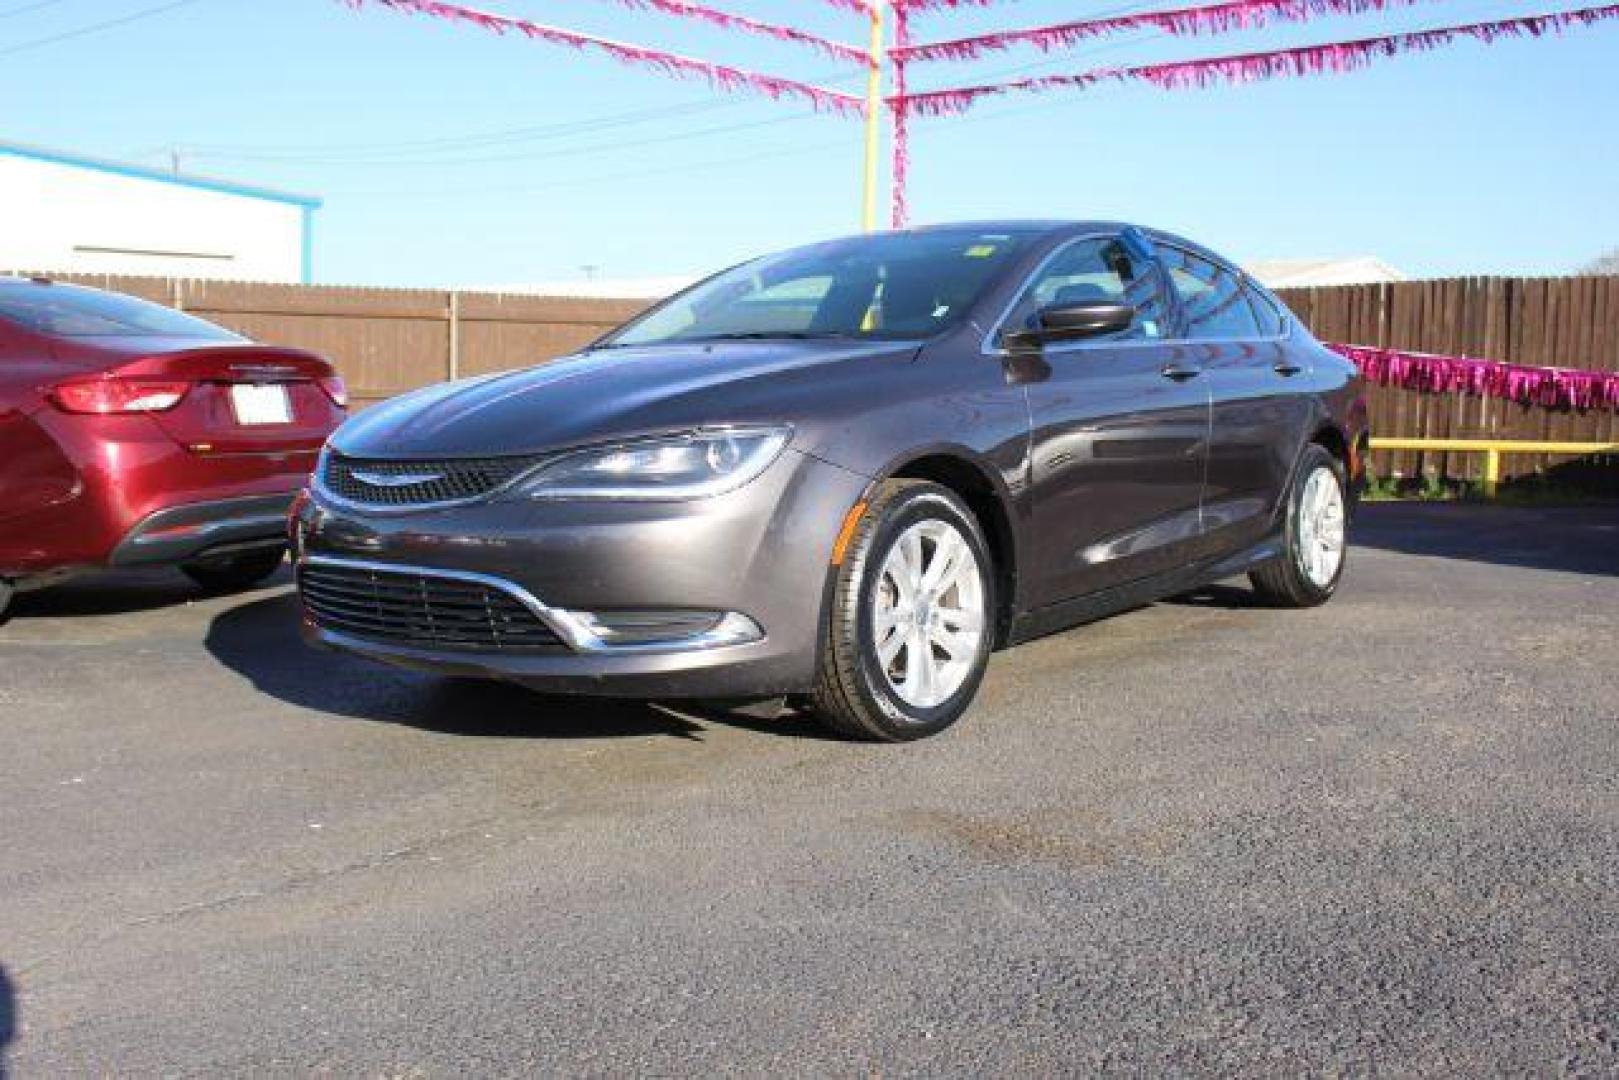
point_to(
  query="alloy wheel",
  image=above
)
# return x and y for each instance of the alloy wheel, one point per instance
(1321, 527)
(928, 617)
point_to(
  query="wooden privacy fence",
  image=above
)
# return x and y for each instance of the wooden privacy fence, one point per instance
(387, 341)
(1570, 322)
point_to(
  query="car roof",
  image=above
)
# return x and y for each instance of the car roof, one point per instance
(1054, 227)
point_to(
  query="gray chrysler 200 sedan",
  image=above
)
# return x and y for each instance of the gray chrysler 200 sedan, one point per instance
(844, 475)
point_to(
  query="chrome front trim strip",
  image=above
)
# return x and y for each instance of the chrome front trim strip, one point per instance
(733, 629)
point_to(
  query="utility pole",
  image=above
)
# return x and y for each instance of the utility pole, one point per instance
(874, 119)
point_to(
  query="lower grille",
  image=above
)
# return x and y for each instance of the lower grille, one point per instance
(409, 607)
(414, 483)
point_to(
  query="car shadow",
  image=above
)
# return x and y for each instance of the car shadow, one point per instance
(1580, 539)
(8, 1018)
(1229, 597)
(259, 640)
(123, 592)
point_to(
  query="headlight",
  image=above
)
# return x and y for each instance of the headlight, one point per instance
(707, 462)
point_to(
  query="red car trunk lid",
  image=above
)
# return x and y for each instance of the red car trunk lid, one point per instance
(244, 399)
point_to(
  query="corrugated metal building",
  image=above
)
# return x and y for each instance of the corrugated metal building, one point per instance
(70, 213)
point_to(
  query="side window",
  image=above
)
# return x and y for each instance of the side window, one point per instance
(1271, 320)
(1090, 270)
(1212, 297)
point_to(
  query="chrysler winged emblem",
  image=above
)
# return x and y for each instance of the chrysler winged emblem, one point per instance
(395, 480)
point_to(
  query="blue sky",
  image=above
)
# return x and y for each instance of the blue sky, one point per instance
(448, 156)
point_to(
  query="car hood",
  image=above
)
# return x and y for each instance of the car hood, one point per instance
(613, 393)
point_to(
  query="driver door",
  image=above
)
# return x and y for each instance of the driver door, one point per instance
(1119, 426)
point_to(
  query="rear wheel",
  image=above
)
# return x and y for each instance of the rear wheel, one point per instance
(910, 629)
(232, 572)
(1308, 571)
(7, 591)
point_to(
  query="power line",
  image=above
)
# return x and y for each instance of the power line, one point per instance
(26, 8)
(593, 148)
(581, 181)
(325, 153)
(346, 153)
(95, 28)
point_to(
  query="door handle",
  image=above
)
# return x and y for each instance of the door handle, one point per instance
(1180, 372)
(1286, 368)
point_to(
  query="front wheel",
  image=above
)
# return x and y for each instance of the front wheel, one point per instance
(235, 572)
(1312, 563)
(911, 624)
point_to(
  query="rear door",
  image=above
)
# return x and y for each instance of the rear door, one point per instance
(1259, 413)
(1119, 429)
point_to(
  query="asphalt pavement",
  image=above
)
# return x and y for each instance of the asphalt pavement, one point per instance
(1380, 836)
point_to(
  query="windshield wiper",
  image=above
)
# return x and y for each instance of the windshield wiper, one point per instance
(735, 335)
(767, 335)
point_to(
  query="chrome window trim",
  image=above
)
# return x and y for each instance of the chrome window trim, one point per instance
(989, 347)
(1244, 281)
(573, 631)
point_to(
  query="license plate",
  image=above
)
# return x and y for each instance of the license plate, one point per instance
(261, 405)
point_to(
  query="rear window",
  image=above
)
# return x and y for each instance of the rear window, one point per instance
(71, 311)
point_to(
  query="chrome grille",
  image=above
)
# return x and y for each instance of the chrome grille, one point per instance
(409, 607)
(380, 482)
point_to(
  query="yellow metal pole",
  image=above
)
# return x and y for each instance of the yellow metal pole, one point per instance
(1492, 449)
(874, 119)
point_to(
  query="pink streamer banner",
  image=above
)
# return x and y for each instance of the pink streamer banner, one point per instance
(1330, 59)
(720, 76)
(1549, 387)
(1210, 19)
(942, 5)
(728, 21)
(901, 209)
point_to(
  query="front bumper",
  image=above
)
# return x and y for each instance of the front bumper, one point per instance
(761, 553)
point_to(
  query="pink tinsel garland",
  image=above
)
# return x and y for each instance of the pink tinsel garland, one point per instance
(720, 76)
(728, 21)
(1334, 58)
(902, 138)
(1209, 19)
(945, 5)
(1549, 387)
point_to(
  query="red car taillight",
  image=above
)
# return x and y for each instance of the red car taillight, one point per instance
(337, 390)
(114, 395)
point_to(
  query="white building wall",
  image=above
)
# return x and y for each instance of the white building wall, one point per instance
(64, 217)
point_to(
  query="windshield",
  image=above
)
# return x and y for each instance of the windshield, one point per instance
(70, 311)
(898, 286)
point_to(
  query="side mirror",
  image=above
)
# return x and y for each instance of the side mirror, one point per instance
(1072, 322)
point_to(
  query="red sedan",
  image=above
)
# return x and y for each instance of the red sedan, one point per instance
(135, 435)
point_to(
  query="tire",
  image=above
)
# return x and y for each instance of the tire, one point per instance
(1316, 548)
(236, 571)
(873, 681)
(7, 591)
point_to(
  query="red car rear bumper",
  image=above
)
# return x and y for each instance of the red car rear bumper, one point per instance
(124, 493)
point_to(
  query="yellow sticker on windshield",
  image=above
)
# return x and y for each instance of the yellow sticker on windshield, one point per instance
(980, 251)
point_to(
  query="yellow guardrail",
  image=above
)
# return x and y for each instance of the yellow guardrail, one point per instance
(1492, 449)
